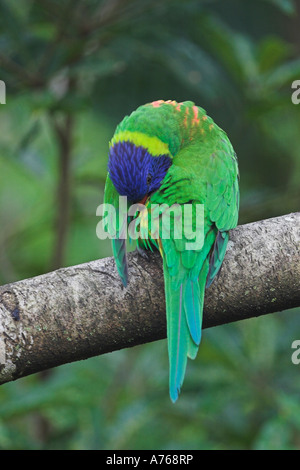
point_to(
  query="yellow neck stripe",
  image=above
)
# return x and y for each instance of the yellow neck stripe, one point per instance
(154, 145)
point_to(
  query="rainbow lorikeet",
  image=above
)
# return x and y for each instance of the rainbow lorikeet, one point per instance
(174, 154)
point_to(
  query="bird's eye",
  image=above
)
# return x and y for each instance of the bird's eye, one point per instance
(149, 179)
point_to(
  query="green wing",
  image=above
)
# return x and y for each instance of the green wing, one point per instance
(222, 202)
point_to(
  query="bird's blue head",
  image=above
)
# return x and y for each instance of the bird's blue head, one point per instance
(134, 172)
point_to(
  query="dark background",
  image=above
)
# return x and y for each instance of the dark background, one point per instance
(72, 70)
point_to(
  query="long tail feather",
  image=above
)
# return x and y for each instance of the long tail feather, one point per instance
(217, 256)
(119, 252)
(192, 307)
(177, 344)
(184, 323)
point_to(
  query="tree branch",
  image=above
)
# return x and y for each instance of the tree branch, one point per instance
(81, 311)
(63, 131)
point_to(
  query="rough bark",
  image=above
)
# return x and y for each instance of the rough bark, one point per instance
(81, 311)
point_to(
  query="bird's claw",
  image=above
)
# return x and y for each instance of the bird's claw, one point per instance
(142, 253)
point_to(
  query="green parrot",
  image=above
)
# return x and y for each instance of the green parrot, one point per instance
(173, 154)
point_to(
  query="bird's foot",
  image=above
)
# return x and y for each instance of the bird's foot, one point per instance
(142, 253)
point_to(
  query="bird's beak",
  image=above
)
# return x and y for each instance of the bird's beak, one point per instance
(142, 201)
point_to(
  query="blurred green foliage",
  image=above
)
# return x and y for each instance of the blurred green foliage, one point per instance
(72, 70)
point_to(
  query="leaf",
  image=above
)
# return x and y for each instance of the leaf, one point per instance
(283, 74)
(286, 6)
